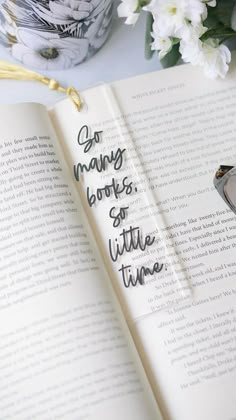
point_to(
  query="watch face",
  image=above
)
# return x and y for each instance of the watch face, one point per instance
(230, 190)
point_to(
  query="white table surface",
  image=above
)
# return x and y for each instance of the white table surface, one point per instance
(121, 57)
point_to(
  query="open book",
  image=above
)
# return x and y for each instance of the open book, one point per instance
(117, 291)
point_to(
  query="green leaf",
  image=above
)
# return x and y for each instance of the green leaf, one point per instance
(148, 37)
(224, 10)
(212, 18)
(175, 40)
(141, 4)
(219, 32)
(171, 57)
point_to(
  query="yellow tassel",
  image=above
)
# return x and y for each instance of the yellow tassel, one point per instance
(14, 72)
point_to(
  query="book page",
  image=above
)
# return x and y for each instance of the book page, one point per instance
(183, 127)
(63, 351)
(190, 130)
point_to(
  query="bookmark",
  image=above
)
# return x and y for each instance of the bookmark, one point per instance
(170, 286)
(13, 72)
(131, 230)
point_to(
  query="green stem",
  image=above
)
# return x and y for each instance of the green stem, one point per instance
(144, 2)
(141, 4)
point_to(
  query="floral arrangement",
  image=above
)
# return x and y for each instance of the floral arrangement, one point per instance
(193, 30)
(53, 34)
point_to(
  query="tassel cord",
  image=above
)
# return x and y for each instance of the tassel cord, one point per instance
(13, 72)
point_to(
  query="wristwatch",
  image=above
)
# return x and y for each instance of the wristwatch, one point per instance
(225, 183)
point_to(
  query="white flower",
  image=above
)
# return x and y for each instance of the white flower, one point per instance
(127, 9)
(151, 7)
(191, 46)
(48, 51)
(215, 59)
(161, 44)
(191, 51)
(172, 16)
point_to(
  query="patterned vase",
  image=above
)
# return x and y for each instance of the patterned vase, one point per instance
(54, 34)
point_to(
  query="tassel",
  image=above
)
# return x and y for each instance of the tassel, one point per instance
(14, 72)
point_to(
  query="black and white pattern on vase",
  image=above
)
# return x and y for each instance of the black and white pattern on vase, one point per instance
(54, 34)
